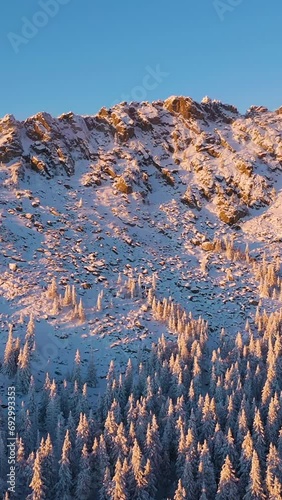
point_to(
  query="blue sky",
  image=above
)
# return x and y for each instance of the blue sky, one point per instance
(92, 53)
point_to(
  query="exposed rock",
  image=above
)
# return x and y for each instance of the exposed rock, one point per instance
(208, 246)
(122, 185)
(184, 106)
(231, 214)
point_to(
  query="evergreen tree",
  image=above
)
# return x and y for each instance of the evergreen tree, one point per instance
(83, 486)
(106, 490)
(48, 467)
(65, 482)
(255, 488)
(227, 488)
(9, 364)
(206, 472)
(273, 471)
(76, 375)
(180, 493)
(37, 483)
(23, 373)
(119, 483)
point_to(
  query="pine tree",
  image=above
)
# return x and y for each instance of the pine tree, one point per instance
(65, 482)
(153, 446)
(102, 460)
(37, 484)
(255, 488)
(245, 462)
(32, 403)
(273, 471)
(100, 301)
(106, 490)
(140, 480)
(81, 312)
(206, 472)
(227, 488)
(119, 483)
(9, 364)
(52, 411)
(83, 486)
(30, 332)
(188, 477)
(82, 435)
(76, 375)
(44, 398)
(20, 470)
(180, 493)
(48, 466)
(52, 290)
(23, 373)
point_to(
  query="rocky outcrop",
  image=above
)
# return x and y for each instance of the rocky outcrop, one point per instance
(222, 157)
(184, 106)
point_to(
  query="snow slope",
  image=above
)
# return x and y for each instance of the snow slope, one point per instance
(141, 190)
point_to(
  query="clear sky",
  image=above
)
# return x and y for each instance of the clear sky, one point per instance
(81, 55)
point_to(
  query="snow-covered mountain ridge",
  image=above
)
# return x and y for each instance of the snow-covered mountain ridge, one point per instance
(150, 232)
(138, 188)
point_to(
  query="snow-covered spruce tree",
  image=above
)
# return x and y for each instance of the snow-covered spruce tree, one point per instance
(228, 487)
(24, 372)
(52, 290)
(100, 301)
(67, 300)
(21, 490)
(30, 332)
(140, 480)
(273, 472)
(255, 490)
(63, 489)
(81, 312)
(59, 436)
(206, 472)
(76, 374)
(102, 461)
(49, 472)
(32, 402)
(153, 447)
(106, 490)
(83, 484)
(44, 398)
(9, 363)
(119, 491)
(180, 493)
(82, 436)
(37, 483)
(52, 411)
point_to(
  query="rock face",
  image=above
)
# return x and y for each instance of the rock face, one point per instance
(206, 153)
(184, 106)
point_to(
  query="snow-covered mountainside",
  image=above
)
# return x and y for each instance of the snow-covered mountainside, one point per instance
(120, 230)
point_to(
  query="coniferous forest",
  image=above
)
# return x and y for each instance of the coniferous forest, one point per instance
(184, 422)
